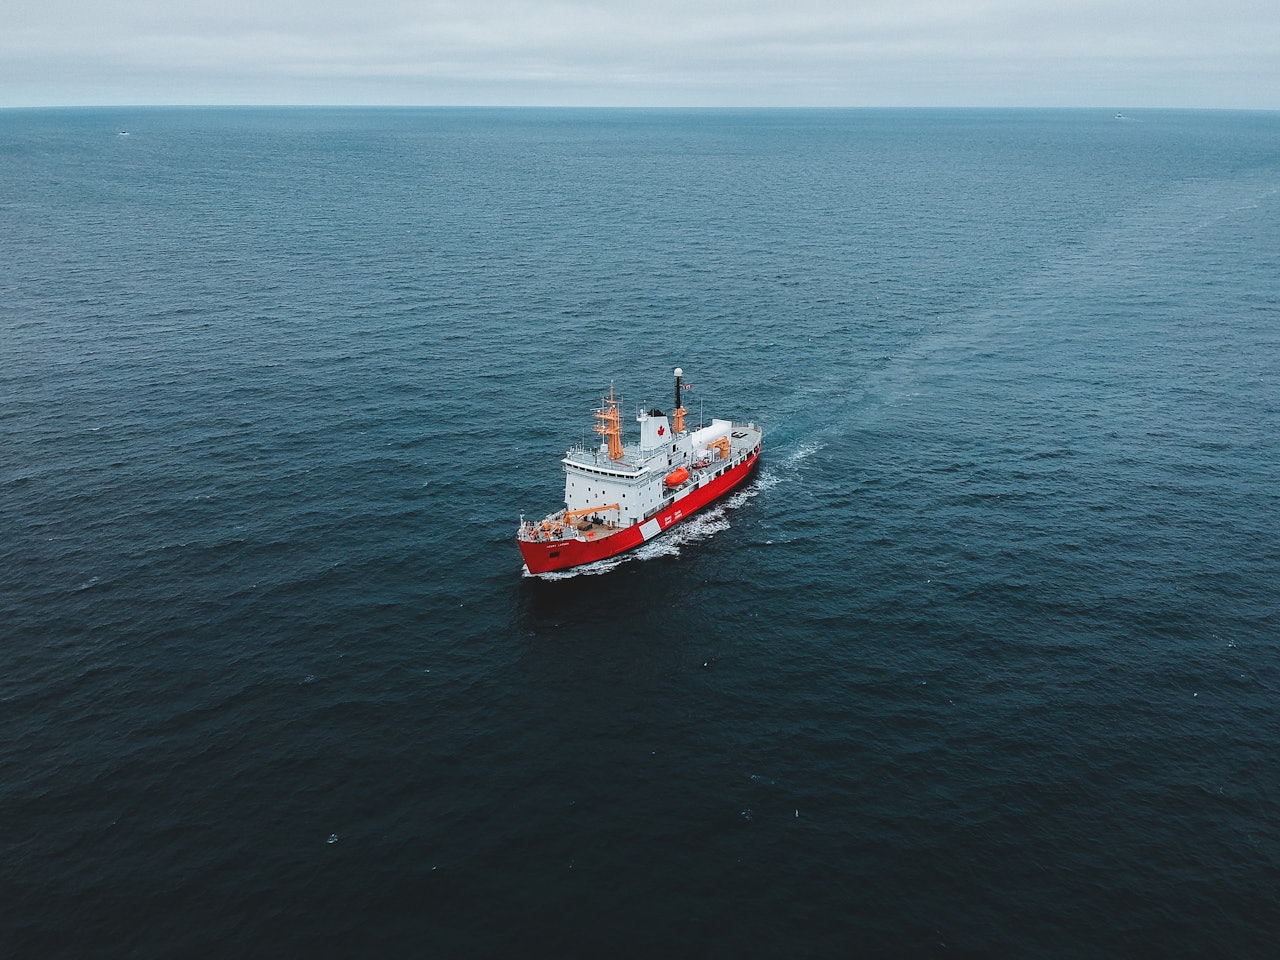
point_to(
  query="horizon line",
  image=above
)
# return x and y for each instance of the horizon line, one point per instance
(623, 107)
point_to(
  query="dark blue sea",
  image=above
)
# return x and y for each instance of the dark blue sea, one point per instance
(984, 661)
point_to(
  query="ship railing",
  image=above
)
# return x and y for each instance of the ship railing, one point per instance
(590, 457)
(542, 531)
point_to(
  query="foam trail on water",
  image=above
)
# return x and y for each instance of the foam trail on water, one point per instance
(773, 473)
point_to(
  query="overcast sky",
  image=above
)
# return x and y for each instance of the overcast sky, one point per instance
(1117, 54)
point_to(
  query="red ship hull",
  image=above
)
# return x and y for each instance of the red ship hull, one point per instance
(549, 556)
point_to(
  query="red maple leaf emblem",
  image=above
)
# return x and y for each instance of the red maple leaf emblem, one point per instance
(661, 430)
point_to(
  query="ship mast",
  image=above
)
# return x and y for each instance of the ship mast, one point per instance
(677, 415)
(610, 424)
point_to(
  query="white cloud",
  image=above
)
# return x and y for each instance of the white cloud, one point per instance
(1169, 53)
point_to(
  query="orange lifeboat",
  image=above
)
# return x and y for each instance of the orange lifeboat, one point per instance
(676, 477)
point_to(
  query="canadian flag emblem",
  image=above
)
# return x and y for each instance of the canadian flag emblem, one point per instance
(661, 430)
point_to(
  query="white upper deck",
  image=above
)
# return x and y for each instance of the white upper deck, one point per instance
(634, 485)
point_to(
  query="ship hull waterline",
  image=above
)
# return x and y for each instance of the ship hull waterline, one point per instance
(554, 555)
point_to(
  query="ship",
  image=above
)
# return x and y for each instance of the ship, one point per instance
(619, 495)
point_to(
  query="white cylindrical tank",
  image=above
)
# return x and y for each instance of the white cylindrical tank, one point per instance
(701, 439)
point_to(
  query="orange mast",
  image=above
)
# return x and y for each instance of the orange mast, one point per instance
(677, 415)
(610, 424)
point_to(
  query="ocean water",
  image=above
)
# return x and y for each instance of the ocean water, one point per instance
(983, 662)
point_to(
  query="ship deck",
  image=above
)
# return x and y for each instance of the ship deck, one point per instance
(590, 457)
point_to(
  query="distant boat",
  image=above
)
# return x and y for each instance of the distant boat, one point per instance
(1119, 116)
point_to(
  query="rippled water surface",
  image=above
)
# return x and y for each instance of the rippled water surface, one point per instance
(982, 663)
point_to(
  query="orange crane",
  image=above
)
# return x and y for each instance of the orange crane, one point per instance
(571, 516)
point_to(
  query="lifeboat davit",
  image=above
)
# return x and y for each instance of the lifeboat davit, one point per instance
(677, 477)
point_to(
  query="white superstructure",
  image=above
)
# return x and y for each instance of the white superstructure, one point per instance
(637, 482)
